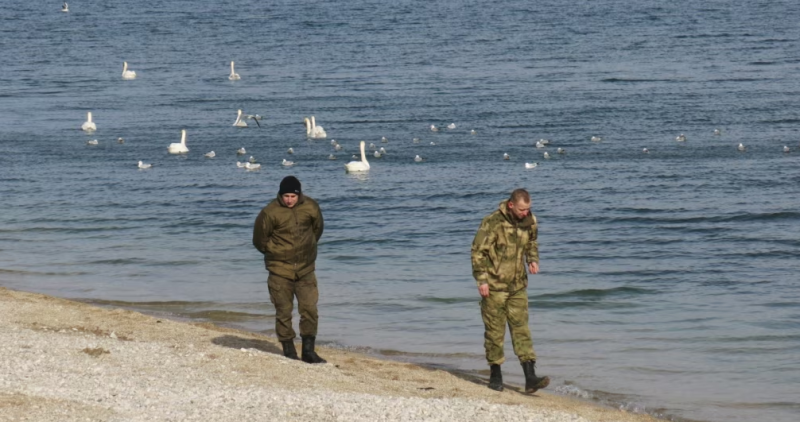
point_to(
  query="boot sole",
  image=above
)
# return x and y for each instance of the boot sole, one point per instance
(541, 384)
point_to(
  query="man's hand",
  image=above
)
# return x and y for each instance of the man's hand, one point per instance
(483, 289)
(533, 267)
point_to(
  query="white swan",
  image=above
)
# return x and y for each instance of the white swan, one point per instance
(241, 151)
(546, 155)
(290, 151)
(239, 122)
(357, 166)
(287, 163)
(211, 154)
(127, 74)
(506, 156)
(681, 138)
(144, 166)
(786, 148)
(417, 159)
(451, 126)
(92, 142)
(65, 7)
(312, 130)
(741, 147)
(88, 125)
(250, 166)
(179, 148)
(531, 165)
(234, 76)
(596, 139)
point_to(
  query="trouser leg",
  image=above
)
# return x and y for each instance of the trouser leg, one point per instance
(281, 293)
(517, 307)
(493, 311)
(307, 298)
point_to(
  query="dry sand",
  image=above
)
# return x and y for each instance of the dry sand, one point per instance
(69, 361)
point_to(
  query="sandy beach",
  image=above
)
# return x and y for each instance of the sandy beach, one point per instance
(69, 361)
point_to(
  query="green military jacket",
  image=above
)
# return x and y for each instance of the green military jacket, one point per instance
(501, 249)
(288, 236)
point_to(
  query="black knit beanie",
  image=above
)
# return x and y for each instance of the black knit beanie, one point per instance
(290, 184)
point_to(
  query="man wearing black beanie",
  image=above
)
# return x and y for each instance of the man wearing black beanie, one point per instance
(286, 232)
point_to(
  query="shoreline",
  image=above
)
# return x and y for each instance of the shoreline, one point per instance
(68, 360)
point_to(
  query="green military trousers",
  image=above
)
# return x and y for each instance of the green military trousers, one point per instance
(282, 292)
(497, 310)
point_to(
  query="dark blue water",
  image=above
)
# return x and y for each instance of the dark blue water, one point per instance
(669, 279)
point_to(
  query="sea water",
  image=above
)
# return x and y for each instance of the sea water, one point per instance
(669, 280)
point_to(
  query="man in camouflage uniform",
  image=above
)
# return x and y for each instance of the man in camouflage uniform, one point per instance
(286, 231)
(505, 241)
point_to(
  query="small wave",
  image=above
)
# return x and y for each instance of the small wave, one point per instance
(596, 293)
(46, 273)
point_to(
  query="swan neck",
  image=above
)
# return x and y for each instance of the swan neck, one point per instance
(183, 137)
(124, 67)
(308, 125)
(313, 123)
(363, 155)
(231, 67)
(89, 117)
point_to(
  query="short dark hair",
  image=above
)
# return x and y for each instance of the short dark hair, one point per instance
(520, 195)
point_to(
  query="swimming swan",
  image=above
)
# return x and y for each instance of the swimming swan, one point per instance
(312, 130)
(357, 166)
(144, 166)
(127, 74)
(179, 148)
(239, 122)
(88, 125)
(234, 76)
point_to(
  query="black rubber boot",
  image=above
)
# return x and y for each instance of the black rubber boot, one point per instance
(496, 378)
(309, 355)
(532, 382)
(288, 350)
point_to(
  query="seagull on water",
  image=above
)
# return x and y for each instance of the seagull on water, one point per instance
(434, 128)
(287, 163)
(506, 156)
(241, 151)
(415, 140)
(531, 165)
(418, 159)
(65, 7)
(144, 165)
(211, 154)
(741, 147)
(451, 126)
(596, 139)
(290, 151)
(645, 151)
(331, 157)
(383, 150)
(546, 155)
(120, 141)
(92, 142)
(717, 132)
(681, 138)
(384, 140)
(472, 132)
(786, 148)
(377, 154)
(252, 159)
(250, 166)
(561, 150)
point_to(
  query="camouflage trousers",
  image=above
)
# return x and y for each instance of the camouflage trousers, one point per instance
(282, 292)
(502, 308)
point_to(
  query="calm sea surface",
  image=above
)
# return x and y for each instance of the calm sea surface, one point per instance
(669, 280)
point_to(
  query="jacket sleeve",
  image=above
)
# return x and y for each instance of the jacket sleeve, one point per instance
(319, 224)
(532, 248)
(481, 247)
(262, 230)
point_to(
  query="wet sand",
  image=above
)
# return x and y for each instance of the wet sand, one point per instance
(68, 361)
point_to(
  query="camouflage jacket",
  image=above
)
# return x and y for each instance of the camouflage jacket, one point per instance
(288, 236)
(501, 249)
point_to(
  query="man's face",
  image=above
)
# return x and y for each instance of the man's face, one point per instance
(290, 199)
(519, 209)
